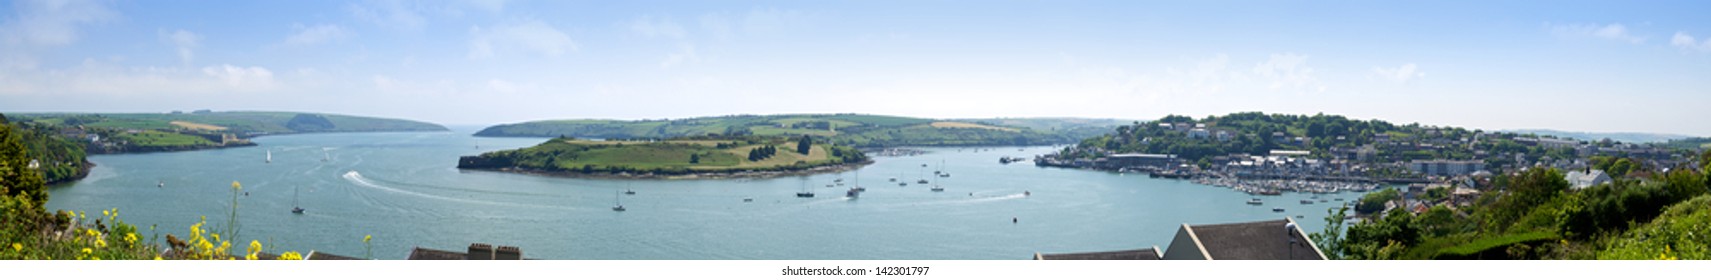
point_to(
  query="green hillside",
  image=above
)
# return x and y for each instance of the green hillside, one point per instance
(843, 129)
(690, 155)
(242, 123)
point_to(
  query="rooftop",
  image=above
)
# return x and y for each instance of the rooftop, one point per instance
(1136, 254)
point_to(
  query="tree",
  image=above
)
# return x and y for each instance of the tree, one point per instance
(16, 178)
(803, 145)
(694, 158)
(1331, 240)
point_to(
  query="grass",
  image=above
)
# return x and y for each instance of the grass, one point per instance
(970, 125)
(1476, 247)
(663, 155)
(150, 138)
(773, 130)
(197, 126)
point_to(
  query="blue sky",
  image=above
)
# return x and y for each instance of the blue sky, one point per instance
(1637, 66)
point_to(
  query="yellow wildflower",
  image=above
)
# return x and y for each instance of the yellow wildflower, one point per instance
(255, 247)
(236, 186)
(157, 257)
(216, 236)
(365, 238)
(100, 243)
(290, 256)
(95, 258)
(92, 233)
(104, 213)
(86, 250)
(131, 237)
(17, 247)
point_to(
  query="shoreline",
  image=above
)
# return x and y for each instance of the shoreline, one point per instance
(719, 175)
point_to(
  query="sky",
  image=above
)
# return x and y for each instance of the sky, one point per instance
(1611, 66)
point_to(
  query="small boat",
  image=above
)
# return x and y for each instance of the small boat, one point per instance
(294, 208)
(902, 184)
(162, 184)
(1255, 201)
(629, 192)
(1306, 201)
(852, 193)
(805, 193)
(619, 207)
(937, 188)
(828, 185)
(1024, 193)
(748, 199)
(1321, 200)
(1279, 210)
(922, 181)
(1339, 199)
(893, 179)
(1300, 216)
(269, 156)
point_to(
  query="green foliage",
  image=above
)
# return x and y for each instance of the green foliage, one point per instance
(666, 157)
(1383, 238)
(1525, 191)
(1330, 241)
(804, 144)
(1497, 247)
(1374, 201)
(1611, 208)
(16, 178)
(1680, 233)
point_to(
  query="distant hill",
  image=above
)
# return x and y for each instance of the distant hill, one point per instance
(845, 129)
(1625, 137)
(101, 133)
(239, 123)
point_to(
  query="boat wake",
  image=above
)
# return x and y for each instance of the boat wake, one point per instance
(358, 179)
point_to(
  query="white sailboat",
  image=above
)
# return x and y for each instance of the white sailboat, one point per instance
(269, 156)
(294, 208)
(619, 206)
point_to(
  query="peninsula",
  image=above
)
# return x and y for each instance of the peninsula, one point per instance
(858, 130)
(679, 158)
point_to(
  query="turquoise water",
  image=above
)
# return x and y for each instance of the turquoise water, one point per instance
(403, 189)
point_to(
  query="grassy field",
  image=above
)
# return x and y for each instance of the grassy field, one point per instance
(238, 122)
(670, 156)
(970, 125)
(197, 126)
(150, 138)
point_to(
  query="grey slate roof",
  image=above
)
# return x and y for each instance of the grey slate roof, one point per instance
(1262, 240)
(1137, 254)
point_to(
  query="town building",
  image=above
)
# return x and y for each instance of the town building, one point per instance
(1438, 167)
(1586, 178)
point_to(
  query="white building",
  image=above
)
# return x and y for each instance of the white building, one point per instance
(1446, 167)
(1586, 179)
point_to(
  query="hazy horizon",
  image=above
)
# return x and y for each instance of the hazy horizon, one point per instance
(1582, 67)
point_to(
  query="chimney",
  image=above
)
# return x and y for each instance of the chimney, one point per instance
(508, 253)
(479, 251)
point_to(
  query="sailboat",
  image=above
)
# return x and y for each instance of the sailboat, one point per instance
(269, 156)
(629, 191)
(618, 205)
(162, 184)
(805, 192)
(937, 188)
(326, 156)
(294, 208)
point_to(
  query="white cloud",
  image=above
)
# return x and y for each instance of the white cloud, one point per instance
(650, 28)
(1614, 31)
(685, 53)
(527, 35)
(1686, 42)
(241, 77)
(305, 36)
(185, 42)
(389, 13)
(51, 23)
(99, 79)
(1288, 71)
(1400, 74)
